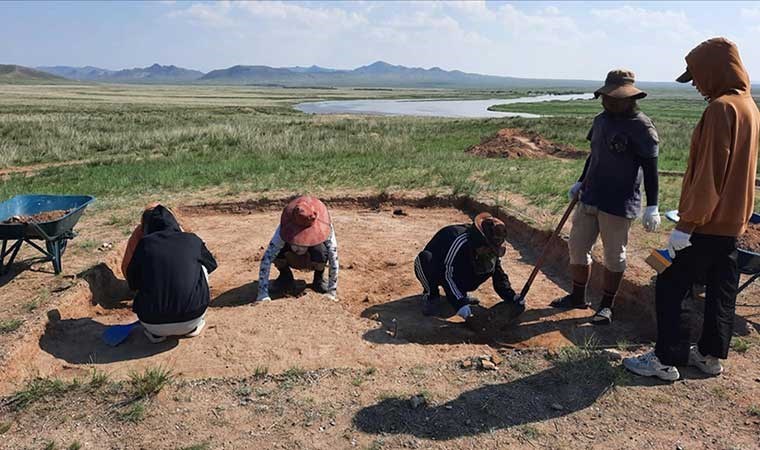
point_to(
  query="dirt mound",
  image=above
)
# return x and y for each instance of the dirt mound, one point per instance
(513, 143)
(750, 240)
(45, 216)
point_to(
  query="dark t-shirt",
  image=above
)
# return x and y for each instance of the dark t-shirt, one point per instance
(618, 146)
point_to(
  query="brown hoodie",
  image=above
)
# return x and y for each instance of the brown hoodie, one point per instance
(718, 191)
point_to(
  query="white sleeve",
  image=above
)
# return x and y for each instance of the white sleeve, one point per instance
(275, 245)
(332, 259)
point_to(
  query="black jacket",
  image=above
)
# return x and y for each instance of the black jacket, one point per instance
(453, 249)
(166, 271)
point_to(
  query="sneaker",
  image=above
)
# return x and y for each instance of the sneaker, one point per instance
(707, 364)
(285, 281)
(648, 365)
(602, 317)
(197, 330)
(429, 308)
(569, 302)
(319, 284)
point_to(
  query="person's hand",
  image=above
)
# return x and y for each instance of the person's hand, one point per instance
(331, 295)
(574, 190)
(677, 242)
(651, 219)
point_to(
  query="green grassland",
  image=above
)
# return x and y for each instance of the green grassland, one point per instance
(149, 140)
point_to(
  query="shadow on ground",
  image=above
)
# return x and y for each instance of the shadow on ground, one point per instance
(246, 295)
(78, 341)
(107, 290)
(561, 390)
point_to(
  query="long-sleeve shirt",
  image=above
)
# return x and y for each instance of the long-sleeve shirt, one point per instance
(274, 248)
(453, 250)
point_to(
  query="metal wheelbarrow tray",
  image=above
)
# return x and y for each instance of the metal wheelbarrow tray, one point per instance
(748, 262)
(54, 233)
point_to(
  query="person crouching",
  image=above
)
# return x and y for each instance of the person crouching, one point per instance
(305, 240)
(460, 258)
(169, 270)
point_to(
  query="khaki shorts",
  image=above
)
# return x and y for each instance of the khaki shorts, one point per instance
(588, 224)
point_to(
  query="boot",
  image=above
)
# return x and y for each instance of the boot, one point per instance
(319, 284)
(576, 299)
(284, 281)
(610, 285)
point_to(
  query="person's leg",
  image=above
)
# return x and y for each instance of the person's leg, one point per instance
(285, 279)
(614, 231)
(158, 332)
(318, 260)
(583, 235)
(720, 305)
(423, 270)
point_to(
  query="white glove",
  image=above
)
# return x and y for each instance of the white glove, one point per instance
(651, 219)
(574, 190)
(677, 242)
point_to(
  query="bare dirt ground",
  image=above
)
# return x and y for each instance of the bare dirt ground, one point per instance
(306, 372)
(514, 143)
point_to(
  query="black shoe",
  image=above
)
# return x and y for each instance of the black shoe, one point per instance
(319, 284)
(429, 305)
(569, 302)
(284, 281)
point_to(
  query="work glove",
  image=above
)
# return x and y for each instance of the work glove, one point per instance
(332, 295)
(677, 242)
(464, 312)
(574, 190)
(651, 219)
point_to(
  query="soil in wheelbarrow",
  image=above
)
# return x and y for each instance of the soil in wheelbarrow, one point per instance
(512, 143)
(750, 241)
(44, 216)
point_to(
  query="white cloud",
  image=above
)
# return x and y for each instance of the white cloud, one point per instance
(750, 13)
(655, 24)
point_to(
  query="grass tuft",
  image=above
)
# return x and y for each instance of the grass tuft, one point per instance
(740, 345)
(150, 381)
(4, 427)
(10, 325)
(37, 389)
(135, 412)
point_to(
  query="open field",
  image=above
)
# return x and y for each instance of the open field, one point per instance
(369, 371)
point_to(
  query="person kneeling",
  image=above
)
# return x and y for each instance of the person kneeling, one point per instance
(169, 270)
(305, 240)
(460, 258)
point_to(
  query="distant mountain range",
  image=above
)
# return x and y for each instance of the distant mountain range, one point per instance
(379, 74)
(11, 73)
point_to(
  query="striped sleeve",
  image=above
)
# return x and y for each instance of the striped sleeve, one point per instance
(275, 245)
(451, 256)
(332, 259)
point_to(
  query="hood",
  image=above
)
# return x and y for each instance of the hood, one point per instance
(159, 219)
(716, 67)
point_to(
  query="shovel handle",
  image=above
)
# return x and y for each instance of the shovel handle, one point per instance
(540, 260)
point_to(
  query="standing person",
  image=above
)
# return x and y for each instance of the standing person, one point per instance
(624, 149)
(717, 199)
(462, 257)
(305, 240)
(169, 270)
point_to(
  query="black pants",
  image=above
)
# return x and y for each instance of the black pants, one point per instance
(315, 258)
(429, 278)
(711, 259)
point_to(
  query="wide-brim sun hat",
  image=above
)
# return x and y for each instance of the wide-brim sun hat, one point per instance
(305, 222)
(494, 230)
(620, 84)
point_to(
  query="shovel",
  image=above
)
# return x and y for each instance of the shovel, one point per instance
(116, 334)
(540, 260)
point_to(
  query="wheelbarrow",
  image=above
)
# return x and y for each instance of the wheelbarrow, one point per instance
(748, 262)
(54, 233)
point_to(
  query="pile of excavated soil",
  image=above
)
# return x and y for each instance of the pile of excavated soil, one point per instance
(44, 216)
(513, 143)
(750, 240)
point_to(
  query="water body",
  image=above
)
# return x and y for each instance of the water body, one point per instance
(431, 108)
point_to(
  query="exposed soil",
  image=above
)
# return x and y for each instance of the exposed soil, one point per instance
(750, 240)
(513, 143)
(45, 216)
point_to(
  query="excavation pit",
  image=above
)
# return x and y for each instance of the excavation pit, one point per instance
(377, 322)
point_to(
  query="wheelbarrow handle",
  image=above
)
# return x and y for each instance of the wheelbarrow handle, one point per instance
(542, 257)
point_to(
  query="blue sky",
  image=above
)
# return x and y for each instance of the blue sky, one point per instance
(526, 39)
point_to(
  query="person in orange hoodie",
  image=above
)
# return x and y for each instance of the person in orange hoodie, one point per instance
(717, 199)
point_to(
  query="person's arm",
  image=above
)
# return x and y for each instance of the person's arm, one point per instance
(585, 170)
(501, 284)
(651, 180)
(455, 252)
(207, 259)
(275, 245)
(134, 239)
(704, 180)
(133, 271)
(332, 260)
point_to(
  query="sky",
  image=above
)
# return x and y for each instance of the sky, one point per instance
(571, 40)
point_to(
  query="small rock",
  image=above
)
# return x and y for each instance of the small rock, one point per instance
(613, 355)
(486, 364)
(105, 246)
(375, 317)
(399, 212)
(417, 401)
(449, 407)
(496, 359)
(557, 407)
(679, 447)
(366, 299)
(332, 422)
(467, 364)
